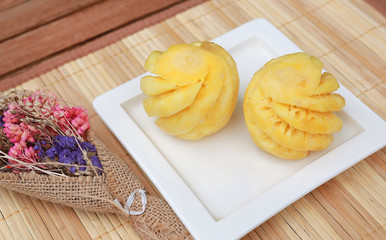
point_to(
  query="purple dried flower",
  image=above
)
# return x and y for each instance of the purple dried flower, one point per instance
(97, 163)
(1, 121)
(27, 118)
(70, 142)
(66, 150)
(88, 147)
(77, 156)
(58, 148)
(72, 169)
(40, 148)
(66, 160)
(52, 153)
(66, 142)
(37, 147)
(65, 153)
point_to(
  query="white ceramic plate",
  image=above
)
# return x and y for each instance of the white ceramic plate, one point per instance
(223, 186)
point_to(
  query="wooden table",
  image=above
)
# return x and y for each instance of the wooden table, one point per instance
(348, 36)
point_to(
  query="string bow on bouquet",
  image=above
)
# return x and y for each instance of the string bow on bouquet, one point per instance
(47, 151)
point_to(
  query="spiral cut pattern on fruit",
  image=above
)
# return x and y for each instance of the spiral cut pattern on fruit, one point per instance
(195, 91)
(288, 106)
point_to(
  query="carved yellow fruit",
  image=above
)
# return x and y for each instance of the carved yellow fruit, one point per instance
(195, 92)
(288, 106)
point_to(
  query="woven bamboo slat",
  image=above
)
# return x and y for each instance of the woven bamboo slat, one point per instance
(349, 36)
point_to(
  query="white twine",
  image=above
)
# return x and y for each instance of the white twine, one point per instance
(130, 201)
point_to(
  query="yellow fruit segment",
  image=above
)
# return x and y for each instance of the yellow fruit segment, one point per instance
(214, 121)
(195, 92)
(266, 143)
(280, 131)
(322, 103)
(317, 63)
(328, 84)
(181, 64)
(293, 76)
(152, 86)
(307, 120)
(288, 106)
(171, 102)
(188, 118)
(150, 63)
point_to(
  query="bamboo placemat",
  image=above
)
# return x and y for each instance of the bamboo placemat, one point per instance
(349, 36)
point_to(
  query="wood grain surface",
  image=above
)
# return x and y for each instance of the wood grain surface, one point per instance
(44, 40)
(349, 36)
(22, 16)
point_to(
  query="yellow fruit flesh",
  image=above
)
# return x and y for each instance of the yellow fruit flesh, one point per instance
(322, 103)
(328, 84)
(214, 121)
(150, 64)
(266, 143)
(288, 105)
(293, 77)
(195, 91)
(181, 64)
(152, 86)
(307, 120)
(187, 119)
(280, 131)
(169, 103)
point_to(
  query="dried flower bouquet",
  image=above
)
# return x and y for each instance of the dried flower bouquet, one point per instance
(47, 151)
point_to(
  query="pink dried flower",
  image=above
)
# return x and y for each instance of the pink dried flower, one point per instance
(16, 150)
(79, 119)
(20, 132)
(23, 153)
(76, 116)
(12, 115)
(30, 122)
(41, 101)
(30, 153)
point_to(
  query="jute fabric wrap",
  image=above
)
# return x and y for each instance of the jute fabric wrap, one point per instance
(97, 194)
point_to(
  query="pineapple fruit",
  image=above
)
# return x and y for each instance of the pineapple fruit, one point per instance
(194, 92)
(289, 104)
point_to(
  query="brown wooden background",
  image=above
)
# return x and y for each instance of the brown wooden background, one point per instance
(36, 30)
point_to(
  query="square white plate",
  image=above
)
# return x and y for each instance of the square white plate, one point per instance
(224, 186)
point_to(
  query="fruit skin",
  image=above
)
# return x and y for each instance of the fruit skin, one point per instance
(288, 106)
(195, 92)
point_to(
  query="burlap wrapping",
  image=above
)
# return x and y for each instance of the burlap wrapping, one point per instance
(97, 194)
